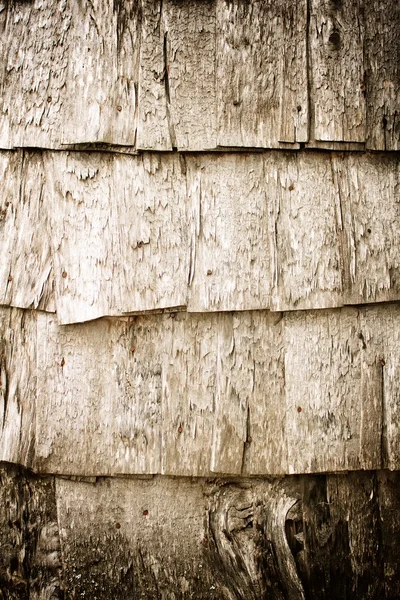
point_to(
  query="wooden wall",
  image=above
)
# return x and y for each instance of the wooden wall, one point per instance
(199, 299)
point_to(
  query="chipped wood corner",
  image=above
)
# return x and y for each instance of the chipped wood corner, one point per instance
(199, 300)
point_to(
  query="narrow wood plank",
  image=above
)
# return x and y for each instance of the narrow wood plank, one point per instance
(266, 444)
(155, 130)
(382, 78)
(189, 380)
(189, 47)
(336, 36)
(368, 187)
(118, 233)
(234, 385)
(70, 73)
(18, 385)
(305, 225)
(26, 272)
(388, 364)
(261, 73)
(229, 260)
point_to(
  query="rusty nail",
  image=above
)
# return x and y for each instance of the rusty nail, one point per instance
(119, 108)
(10, 278)
(180, 429)
(209, 272)
(299, 409)
(118, 525)
(49, 99)
(249, 439)
(291, 187)
(145, 513)
(62, 362)
(64, 274)
(382, 362)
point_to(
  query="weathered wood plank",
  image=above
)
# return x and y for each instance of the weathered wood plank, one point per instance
(189, 380)
(177, 76)
(297, 537)
(304, 227)
(329, 368)
(310, 537)
(103, 398)
(261, 72)
(69, 73)
(18, 385)
(336, 36)
(368, 189)
(229, 262)
(382, 77)
(26, 271)
(189, 46)
(118, 230)
(30, 560)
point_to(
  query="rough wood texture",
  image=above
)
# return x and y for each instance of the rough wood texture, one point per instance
(118, 233)
(336, 35)
(261, 73)
(18, 385)
(26, 267)
(325, 537)
(184, 394)
(197, 75)
(382, 55)
(69, 73)
(97, 234)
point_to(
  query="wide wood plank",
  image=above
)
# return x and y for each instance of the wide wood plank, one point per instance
(118, 233)
(69, 73)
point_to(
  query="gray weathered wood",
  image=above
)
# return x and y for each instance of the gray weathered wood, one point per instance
(229, 258)
(369, 193)
(336, 35)
(110, 234)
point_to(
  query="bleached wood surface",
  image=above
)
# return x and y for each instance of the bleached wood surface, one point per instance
(199, 74)
(242, 393)
(97, 234)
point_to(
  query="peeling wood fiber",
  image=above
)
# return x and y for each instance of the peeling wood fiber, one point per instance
(200, 75)
(107, 234)
(184, 394)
